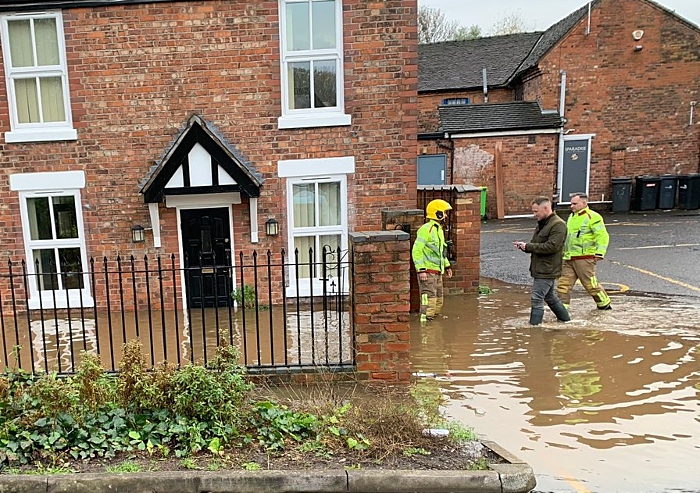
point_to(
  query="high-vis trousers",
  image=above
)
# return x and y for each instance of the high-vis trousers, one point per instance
(431, 298)
(584, 271)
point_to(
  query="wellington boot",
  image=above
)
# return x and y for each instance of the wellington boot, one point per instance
(536, 316)
(561, 312)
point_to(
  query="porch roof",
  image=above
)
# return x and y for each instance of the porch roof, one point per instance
(516, 115)
(185, 169)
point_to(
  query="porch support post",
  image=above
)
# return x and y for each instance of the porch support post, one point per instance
(155, 222)
(380, 284)
(254, 220)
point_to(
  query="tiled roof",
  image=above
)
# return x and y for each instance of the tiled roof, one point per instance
(491, 117)
(460, 64)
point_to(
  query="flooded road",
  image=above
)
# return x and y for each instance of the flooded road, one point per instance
(609, 402)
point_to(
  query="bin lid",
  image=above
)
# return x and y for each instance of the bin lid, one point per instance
(622, 179)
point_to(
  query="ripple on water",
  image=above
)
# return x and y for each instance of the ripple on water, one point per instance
(619, 386)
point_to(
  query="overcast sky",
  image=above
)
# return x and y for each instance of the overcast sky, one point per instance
(537, 15)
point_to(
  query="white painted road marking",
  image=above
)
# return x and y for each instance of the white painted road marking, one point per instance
(659, 246)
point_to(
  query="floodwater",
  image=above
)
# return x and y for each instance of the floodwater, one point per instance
(295, 337)
(609, 402)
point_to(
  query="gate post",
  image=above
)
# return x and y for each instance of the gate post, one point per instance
(380, 286)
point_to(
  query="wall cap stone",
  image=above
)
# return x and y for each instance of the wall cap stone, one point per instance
(390, 214)
(378, 236)
(456, 188)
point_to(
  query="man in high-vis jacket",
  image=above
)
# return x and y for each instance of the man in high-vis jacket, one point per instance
(586, 244)
(429, 254)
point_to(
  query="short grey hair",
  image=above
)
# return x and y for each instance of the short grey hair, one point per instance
(541, 201)
(581, 195)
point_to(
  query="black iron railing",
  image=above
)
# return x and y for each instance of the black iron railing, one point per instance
(285, 314)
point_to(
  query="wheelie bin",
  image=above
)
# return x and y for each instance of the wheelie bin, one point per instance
(689, 191)
(646, 192)
(622, 194)
(667, 191)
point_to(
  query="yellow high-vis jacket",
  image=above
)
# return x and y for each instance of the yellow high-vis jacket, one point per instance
(429, 252)
(586, 236)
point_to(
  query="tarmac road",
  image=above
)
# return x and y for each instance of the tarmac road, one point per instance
(656, 252)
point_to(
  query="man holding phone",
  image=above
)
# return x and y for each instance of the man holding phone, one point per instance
(545, 248)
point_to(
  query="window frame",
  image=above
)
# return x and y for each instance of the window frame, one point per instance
(42, 131)
(315, 170)
(312, 117)
(456, 101)
(58, 184)
(305, 284)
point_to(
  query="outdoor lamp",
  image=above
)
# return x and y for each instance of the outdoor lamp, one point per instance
(272, 227)
(138, 234)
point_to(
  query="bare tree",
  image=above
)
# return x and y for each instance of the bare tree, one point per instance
(510, 23)
(433, 27)
(465, 33)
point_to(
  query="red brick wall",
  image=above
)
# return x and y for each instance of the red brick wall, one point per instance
(529, 169)
(137, 73)
(637, 101)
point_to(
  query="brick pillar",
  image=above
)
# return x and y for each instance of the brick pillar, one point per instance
(381, 303)
(466, 225)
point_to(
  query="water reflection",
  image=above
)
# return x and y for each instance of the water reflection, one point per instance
(590, 399)
(273, 338)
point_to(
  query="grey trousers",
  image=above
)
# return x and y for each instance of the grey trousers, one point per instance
(543, 291)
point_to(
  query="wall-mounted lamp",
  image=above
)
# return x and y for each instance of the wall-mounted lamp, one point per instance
(138, 234)
(272, 227)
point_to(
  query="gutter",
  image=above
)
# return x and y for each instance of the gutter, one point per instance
(433, 136)
(41, 5)
(506, 133)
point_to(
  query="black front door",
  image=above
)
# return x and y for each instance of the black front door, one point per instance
(206, 239)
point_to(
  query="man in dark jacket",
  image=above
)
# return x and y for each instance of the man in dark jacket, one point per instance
(546, 249)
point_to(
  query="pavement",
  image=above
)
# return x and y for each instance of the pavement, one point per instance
(512, 477)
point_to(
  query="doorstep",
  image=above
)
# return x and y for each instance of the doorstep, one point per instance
(513, 476)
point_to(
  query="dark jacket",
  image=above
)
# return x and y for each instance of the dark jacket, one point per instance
(546, 247)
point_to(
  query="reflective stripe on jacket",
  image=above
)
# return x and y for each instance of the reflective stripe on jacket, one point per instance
(586, 235)
(429, 251)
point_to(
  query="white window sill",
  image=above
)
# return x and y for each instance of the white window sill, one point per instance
(314, 120)
(74, 300)
(41, 135)
(305, 291)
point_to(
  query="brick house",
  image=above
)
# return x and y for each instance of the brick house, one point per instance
(627, 72)
(198, 123)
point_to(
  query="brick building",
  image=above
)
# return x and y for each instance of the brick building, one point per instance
(199, 123)
(627, 72)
